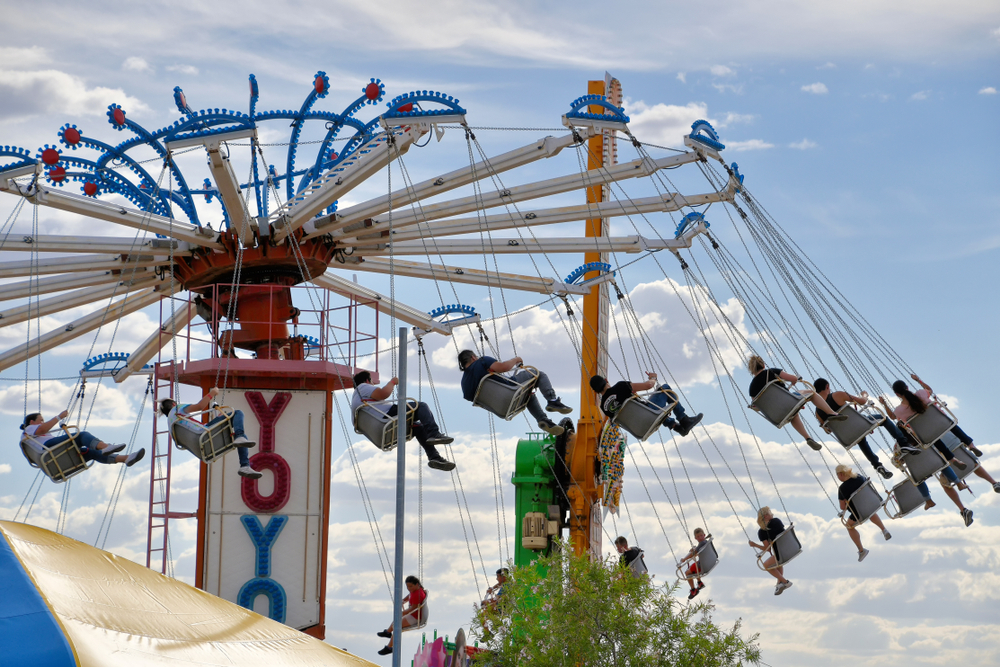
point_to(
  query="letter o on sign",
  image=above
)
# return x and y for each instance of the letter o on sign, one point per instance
(250, 489)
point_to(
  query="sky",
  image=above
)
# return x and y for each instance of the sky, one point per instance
(866, 130)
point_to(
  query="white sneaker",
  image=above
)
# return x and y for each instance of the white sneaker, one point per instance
(113, 449)
(243, 441)
(135, 457)
(247, 471)
(862, 554)
(887, 535)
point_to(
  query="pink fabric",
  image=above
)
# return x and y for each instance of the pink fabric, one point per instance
(903, 411)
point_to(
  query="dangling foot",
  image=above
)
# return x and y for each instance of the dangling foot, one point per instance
(815, 445)
(550, 427)
(862, 554)
(694, 591)
(967, 517)
(996, 487)
(686, 423)
(441, 463)
(385, 650)
(243, 441)
(247, 471)
(961, 465)
(384, 633)
(975, 450)
(114, 449)
(836, 418)
(881, 469)
(887, 535)
(909, 449)
(929, 504)
(135, 457)
(440, 439)
(701, 585)
(555, 405)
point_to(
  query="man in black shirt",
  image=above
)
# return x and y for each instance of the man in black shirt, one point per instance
(614, 396)
(475, 368)
(631, 557)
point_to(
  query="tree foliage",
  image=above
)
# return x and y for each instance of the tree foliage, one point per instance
(569, 611)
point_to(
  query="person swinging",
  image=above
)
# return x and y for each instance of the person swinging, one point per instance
(36, 434)
(614, 396)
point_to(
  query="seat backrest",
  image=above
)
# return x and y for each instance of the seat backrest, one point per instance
(931, 425)
(708, 557)
(377, 426)
(970, 461)
(503, 396)
(778, 404)
(851, 430)
(787, 545)
(640, 417)
(207, 443)
(422, 612)
(922, 466)
(906, 497)
(865, 502)
(59, 462)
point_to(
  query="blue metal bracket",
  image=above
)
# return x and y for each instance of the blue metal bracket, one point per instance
(703, 132)
(689, 220)
(580, 272)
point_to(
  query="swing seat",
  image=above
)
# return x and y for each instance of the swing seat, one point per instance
(778, 403)
(921, 467)
(904, 498)
(928, 427)
(207, 443)
(422, 612)
(380, 428)
(707, 558)
(503, 396)
(58, 462)
(857, 426)
(787, 546)
(864, 503)
(641, 418)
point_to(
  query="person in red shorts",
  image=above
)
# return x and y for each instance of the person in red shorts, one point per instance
(695, 568)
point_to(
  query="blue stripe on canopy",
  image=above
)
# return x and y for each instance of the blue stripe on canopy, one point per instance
(29, 633)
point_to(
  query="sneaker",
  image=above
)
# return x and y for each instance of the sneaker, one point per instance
(243, 441)
(385, 650)
(247, 471)
(815, 445)
(836, 418)
(441, 464)
(687, 423)
(384, 633)
(975, 450)
(967, 517)
(694, 591)
(556, 405)
(996, 487)
(440, 439)
(550, 427)
(887, 535)
(778, 588)
(909, 449)
(135, 457)
(929, 504)
(961, 465)
(785, 585)
(114, 449)
(862, 555)
(701, 585)
(880, 469)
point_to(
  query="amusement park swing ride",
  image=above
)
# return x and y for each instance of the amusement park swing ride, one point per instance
(259, 306)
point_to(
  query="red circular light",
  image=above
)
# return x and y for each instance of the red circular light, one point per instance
(119, 117)
(406, 108)
(372, 91)
(57, 174)
(50, 156)
(90, 189)
(71, 135)
(333, 155)
(319, 84)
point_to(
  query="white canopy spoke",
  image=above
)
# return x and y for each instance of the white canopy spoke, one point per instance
(30, 288)
(406, 313)
(71, 264)
(627, 244)
(144, 353)
(470, 276)
(57, 304)
(91, 244)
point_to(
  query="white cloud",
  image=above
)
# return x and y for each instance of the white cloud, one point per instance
(920, 95)
(805, 144)
(816, 88)
(749, 145)
(664, 124)
(111, 407)
(4, 468)
(827, 66)
(721, 70)
(736, 118)
(190, 70)
(733, 88)
(136, 64)
(682, 77)
(26, 94)
(988, 90)
(995, 33)
(24, 58)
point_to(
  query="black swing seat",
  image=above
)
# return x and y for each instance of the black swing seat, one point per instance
(641, 418)
(857, 426)
(904, 498)
(786, 545)
(58, 462)
(379, 427)
(864, 503)
(922, 466)
(207, 443)
(503, 396)
(707, 556)
(927, 428)
(778, 403)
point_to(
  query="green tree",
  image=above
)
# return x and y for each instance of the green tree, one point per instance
(569, 611)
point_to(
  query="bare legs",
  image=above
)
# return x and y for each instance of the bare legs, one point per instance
(799, 426)
(778, 572)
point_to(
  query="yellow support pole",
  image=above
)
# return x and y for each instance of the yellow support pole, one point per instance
(585, 493)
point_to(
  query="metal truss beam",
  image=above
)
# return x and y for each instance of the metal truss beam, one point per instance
(80, 297)
(152, 345)
(31, 288)
(374, 299)
(467, 276)
(71, 264)
(92, 244)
